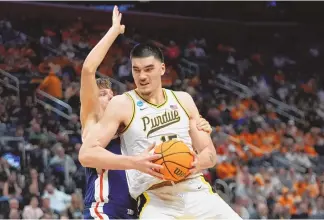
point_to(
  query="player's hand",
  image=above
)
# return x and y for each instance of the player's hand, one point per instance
(144, 162)
(203, 125)
(116, 19)
(195, 164)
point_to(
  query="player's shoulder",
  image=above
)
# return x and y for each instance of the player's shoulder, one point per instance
(122, 99)
(181, 95)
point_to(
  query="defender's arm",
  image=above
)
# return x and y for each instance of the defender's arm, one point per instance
(89, 91)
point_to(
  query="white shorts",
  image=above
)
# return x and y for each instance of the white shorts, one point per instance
(190, 199)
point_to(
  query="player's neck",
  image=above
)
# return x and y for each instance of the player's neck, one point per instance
(156, 98)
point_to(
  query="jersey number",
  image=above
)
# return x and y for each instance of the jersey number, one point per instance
(168, 137)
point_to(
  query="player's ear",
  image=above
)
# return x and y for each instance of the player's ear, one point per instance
(162, 69)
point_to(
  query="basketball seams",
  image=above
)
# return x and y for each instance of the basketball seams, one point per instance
(177, 153)
(169, 161)
(164, 161)
(169, 170)
(168, 147)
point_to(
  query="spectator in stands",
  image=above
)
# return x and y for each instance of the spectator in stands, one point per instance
(124, 70)
(277, 212)
(240, 206)
(75, 210)
(36, 135)
(32, 211)
(11, 188)
(72, 96)
(172, 53)
(30, 192)
(47, 210)
(13, 211)
(52, 85)
(62, 164)
(33, 183)
(14, 214)
(262, 212)
(318, 210)
(59, 201)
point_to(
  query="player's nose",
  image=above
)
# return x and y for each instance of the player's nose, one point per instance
(142, 77)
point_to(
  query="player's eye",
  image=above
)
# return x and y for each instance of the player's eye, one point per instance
(148, 69)
(136, 70)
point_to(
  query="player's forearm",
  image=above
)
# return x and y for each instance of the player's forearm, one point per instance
(99, 52)
(100, 158)
(207, 158)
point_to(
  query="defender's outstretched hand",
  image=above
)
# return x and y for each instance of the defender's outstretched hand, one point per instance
(144, 162)
(116, 20)
(203, 125)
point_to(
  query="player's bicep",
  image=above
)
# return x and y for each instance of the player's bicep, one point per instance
(200, 139)
(108, 125)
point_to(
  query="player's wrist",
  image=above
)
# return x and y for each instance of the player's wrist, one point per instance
(115, 29)
(129, 162)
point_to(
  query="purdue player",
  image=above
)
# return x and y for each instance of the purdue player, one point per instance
(192, 198)
(107, 193)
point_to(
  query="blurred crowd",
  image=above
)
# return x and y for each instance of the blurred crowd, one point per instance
(269, 166)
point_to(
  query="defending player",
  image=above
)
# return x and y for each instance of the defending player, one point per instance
(107, 194)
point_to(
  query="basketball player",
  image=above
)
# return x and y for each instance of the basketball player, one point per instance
(107, 194)
(157, 115)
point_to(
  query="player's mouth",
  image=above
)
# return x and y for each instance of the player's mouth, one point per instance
(143, 84)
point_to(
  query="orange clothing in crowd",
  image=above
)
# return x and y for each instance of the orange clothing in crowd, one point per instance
(226, 170)
(52, 85)
(237, 113)
(286, 201)
(300, 187)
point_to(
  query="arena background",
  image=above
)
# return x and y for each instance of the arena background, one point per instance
(254, 69)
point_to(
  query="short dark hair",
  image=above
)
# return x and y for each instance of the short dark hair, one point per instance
(103, 83)
(142, 50)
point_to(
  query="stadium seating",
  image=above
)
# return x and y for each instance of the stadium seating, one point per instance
(267, 123)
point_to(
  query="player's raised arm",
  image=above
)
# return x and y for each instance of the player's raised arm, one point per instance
(201, 140)
(89, 91)
(92, 152)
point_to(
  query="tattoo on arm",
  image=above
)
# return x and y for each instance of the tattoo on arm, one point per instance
(211, 157)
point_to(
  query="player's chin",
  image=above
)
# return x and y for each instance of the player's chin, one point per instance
(145, 90)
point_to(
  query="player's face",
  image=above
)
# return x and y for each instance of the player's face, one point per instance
(104, 97)
(147, 74)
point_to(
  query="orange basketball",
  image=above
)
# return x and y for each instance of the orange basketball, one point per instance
(176, 159)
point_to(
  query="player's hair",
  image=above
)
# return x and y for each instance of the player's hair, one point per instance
(143, 50)
(103, 83)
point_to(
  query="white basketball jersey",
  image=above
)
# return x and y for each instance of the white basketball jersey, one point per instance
(151, 123)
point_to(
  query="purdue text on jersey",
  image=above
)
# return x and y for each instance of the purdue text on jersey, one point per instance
(153, 124)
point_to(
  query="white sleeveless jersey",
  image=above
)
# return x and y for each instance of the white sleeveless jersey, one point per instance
(151, 123)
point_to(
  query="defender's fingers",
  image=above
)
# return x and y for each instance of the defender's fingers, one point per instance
(155, 166)
(150, 147)
(153, 157)
(156, 174)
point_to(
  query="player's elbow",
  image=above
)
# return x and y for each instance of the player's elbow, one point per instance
(88, 68)
(85, 157)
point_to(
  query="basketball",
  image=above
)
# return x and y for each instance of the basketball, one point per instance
(176, 159)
